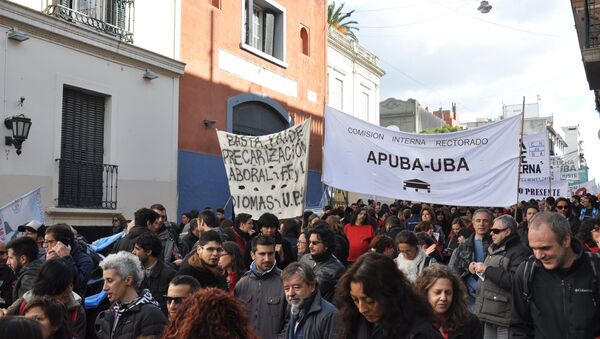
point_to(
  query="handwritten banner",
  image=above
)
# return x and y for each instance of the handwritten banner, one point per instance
(267, 173)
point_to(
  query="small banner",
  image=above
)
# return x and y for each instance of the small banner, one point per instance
(535, 156)
(584, 188)
(569, 166)
(20, 211)
(268, 173)
(542, 189)
(476, 167)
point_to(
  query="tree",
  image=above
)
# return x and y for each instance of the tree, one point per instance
(446, 129)
(335, 18)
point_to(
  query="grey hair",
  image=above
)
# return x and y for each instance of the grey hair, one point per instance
(484, 210)
(556, 222)
(507, 221)
(302, 269)
(126, 264)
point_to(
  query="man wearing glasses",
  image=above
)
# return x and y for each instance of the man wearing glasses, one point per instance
(180, 288)
(203, 265)
(505, 254)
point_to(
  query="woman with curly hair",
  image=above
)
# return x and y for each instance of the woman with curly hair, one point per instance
(445, 294)
(376, 301)
(589, 234)
(210, 314)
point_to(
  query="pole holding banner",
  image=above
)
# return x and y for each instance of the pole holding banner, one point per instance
(521, 141)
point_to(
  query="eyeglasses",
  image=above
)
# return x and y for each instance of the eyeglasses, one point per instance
(497, 230)
(315, 242)
(49, 242)
(213, 249)
(561, 207)
(302, 242)
(169, 300)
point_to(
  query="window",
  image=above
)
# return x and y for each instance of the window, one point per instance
(264, 30)
(304, 40)
(364, 105)
(337, 94)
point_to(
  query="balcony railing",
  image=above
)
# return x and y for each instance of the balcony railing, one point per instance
(112, 17)
(84, 184)
(591, 12)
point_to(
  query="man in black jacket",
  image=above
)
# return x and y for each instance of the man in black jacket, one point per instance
(144, 217)
(203, 265)
(7, 277)
(556, 295)
(156, 273)
(269, 224)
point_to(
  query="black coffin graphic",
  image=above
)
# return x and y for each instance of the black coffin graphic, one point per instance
(417, 185)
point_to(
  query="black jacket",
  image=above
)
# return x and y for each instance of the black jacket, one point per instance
(187, 243)
(204, 277)
(25, 278)
(158, 282)
(7, 277)
(562, 302)
(126, 243)
(328, 270)
(422, 329)
(471, 330)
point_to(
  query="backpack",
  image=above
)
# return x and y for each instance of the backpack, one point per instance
(530, 267)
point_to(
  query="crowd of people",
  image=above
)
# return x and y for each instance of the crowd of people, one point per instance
(370, 270)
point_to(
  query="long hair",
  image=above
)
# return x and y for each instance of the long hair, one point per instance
(585, 232)
(388, 287)
(237, 259)
(56, 314)
(458, 313)
(210, 314)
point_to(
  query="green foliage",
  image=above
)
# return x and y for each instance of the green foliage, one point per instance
(335, 18)
(446, 129)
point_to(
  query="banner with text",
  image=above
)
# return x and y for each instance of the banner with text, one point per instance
(542, 189)
(477, 167)
(267, 173)
(535, 157)
(569, 166)
(584, 188)
(20, 211)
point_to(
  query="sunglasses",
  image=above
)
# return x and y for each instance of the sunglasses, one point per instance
(315, 242)
(169, 300)
(561, 207)
(497, 230)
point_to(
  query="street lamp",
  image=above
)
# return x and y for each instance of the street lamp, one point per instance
(20, 125)
(484, 7)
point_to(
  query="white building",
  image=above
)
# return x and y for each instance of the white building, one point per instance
(353, 78)
(103, 138)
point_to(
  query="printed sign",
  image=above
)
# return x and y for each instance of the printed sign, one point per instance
(477, 167)
(542, 189)
(535, 156)
(20, 211)
(267, 173)
(569, 166)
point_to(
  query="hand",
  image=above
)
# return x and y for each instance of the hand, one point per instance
(2, 312)
(59, 250)
(430, 249)
(278, 248)
(178, 262)
(480, 267)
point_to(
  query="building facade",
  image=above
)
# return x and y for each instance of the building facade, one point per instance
(407, 115)
(450, 116)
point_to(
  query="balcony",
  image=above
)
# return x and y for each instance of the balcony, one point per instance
(89, 185)
(111, 17)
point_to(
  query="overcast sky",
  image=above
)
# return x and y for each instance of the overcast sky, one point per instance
(444, 51)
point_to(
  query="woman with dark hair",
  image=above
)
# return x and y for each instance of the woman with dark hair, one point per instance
(427, 215)
(342, 245)
(412, 259)
(290, 230)
(376, 301)
(119, 223)
(232, 264)
(302, 244)
(564, 207)
(384, 245)
(445, 294)
(458, 224)
(359, 234)
(20, 327)
(589, 231)
(52, 316)
(443, 218)
(210, 314)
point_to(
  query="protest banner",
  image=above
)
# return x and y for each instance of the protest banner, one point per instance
(555, 163)
(535, 157)
(584, 188)
(267, 173)
(569, 166)
(20, 211)
(542, 189)
(477, 167)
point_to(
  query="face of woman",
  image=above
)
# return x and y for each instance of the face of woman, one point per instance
(425, 216)
(185, 219)
(37, 313)
(225, 260)
(367, 306)
(408, 251)
(302, 243)
(115, 286)
(455, 229)
(360, 219)
(440, 295)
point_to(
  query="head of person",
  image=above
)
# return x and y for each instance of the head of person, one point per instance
(210, 313)
(180, 287)
(220, 214)
(445, 294)
(550, 239)
(425, 226)
(530, 211)
(207, 220)
(456, 225)
(407, 245)
(321, 240)
(148, 248)
(383, 244)
(289, 227)
(226, 224)
(335, 222)
(391, 222)
(162, 214)
(268, 223)
(312, 219)
(51, 315)
(563, 206)
(3, 254)
(463, 235)
(550, 201)
(588, 230)
(424, 240)
(482, 221)
(302, 244)
(374, 289)
(58, 233)
(503, 227)
(20, 252)
(185, 218)
(542, 205)
(232, 259)
(360, 216)
(243, 222)
(427, 214)
(34, 230)
(122, 274)
(209, 250)
(20, 327)
(587, 201)
(118, 220)
(55, 280)
(299, 283)
(263, 252)
(148, 218)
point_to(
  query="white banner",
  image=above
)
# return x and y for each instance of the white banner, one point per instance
(569, 166)
(20, 211)
(584, 188)
(268, 173)
(477, 167)
(535, 156)
(555, 164)
(542, 189)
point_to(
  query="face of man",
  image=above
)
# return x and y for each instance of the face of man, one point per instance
(13, 261)
(141, 254)
(361, 217)
(162, 217)
(542, 205)
(32, 234)
(264, 257)
(316, 245)
(562, 207)
(585, 201)
(220, 215)
(210, 253)
(268, 230)
(530, 213)
(155, 226)
(175, 295)
(3, 254)
(499, 232)
(547, 250)
(296, 289)
(481, 223)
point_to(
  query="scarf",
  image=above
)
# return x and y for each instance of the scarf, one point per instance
(259, 274)
(196, 262)
(119, 308)
(411, 267)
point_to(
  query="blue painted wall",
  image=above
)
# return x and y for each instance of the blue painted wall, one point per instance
(202, 182)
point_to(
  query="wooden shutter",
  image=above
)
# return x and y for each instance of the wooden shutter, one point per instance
(269, 32)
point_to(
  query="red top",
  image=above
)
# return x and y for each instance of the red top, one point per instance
(359, 237)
